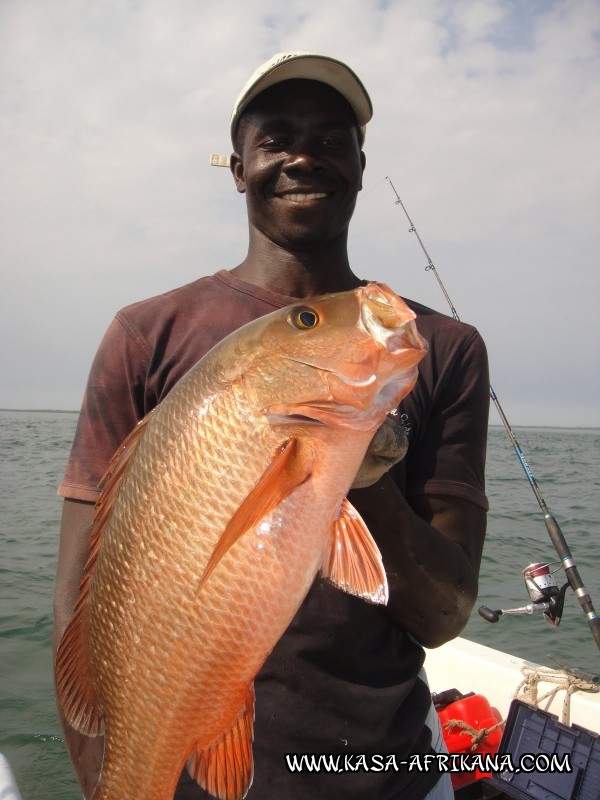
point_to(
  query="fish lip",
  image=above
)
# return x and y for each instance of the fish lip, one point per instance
(404, 336)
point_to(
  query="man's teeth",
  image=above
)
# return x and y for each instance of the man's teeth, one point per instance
(302, 197)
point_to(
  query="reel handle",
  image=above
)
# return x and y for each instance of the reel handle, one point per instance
(488, 614)
(530, 608)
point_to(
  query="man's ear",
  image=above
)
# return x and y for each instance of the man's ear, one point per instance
(363, 164)
(237, 170)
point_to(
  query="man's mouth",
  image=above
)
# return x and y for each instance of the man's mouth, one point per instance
(303, 197)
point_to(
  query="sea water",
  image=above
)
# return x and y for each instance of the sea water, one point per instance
(34, 448)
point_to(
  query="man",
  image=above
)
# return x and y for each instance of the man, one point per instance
(345, 677)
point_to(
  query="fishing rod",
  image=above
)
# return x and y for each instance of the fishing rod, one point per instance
(556, 535)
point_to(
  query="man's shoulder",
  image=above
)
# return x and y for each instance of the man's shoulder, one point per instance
(436, 319)
(439, 328)
(214, 295)
(208, 300)
(200, 291)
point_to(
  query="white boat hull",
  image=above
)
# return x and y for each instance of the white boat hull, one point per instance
(470, 667)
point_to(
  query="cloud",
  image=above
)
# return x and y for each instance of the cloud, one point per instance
(486, 119)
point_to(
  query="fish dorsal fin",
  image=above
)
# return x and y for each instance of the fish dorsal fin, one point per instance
(225, 768)
(282, 476)
(74, 688)
(111, 480)
(352, 560)
(110, 484)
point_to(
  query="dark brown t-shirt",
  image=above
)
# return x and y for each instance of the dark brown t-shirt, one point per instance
(343, 679)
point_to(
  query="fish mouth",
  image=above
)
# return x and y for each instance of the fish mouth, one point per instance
(391, 326)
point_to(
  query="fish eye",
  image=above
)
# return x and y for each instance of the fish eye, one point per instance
(304, 318)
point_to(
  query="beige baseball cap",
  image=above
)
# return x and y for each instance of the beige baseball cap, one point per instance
(310, 66)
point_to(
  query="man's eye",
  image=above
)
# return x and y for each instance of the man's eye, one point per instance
(333, 141)
(278, 143)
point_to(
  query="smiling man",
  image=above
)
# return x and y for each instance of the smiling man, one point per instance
(346, 678)
(299, 161)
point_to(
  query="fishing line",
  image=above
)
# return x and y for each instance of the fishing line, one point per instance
(552, 526)
(366, 193)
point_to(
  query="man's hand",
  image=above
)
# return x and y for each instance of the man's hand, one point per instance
(388, 447)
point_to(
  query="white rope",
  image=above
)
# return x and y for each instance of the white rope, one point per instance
(532, 675)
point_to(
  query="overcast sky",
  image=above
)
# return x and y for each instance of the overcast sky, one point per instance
(486, 119)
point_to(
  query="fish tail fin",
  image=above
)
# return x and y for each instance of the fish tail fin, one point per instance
(352, 559)
(226, 767)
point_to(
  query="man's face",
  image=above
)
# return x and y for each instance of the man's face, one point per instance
(300, 164)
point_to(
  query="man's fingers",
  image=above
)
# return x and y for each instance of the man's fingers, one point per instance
(388, 446)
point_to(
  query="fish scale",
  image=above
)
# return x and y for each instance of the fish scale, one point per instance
(214, 520)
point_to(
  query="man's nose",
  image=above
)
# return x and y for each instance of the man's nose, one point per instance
(303, 159)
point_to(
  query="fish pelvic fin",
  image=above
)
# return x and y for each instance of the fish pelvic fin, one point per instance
(74, 687)
(352, 559)
(225, 768)
(286, 472)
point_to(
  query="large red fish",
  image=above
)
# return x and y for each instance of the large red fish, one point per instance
(215, 516)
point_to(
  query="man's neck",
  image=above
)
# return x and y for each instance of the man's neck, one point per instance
(297, 273)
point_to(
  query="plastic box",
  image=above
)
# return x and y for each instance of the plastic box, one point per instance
(531, 731)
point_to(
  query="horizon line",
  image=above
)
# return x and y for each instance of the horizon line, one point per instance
(490, 425)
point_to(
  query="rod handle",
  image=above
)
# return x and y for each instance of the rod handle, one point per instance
(573, 576)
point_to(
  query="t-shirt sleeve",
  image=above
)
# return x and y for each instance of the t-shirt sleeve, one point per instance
(113, 403)
(448, 456)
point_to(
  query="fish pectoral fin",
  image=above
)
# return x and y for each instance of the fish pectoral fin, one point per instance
(282, 476)
(352, 560)
(225, 768)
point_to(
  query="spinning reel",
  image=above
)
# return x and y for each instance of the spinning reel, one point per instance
(547, 597)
